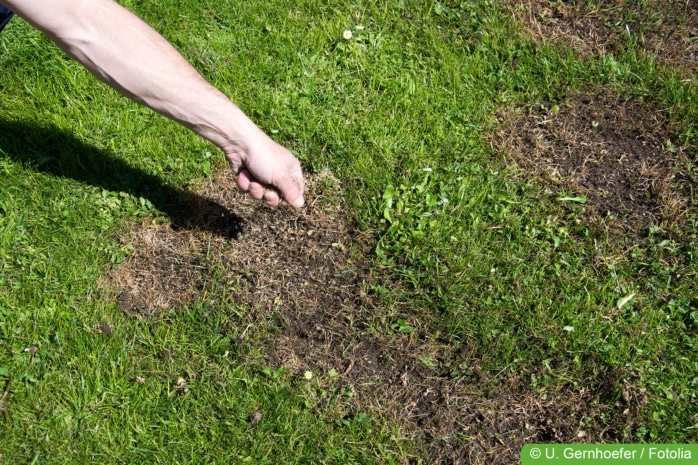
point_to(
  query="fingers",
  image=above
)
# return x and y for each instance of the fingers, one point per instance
(244, 180)
(248, 184)
(257, 190)
(269, 172)
(291, 190)
(271, 198)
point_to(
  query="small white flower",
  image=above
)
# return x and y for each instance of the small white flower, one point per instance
(443, 201)
(359, 27)
(308, 375)
(427, 169)
(347, 34)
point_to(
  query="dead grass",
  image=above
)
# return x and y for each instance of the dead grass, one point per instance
(663, 28)
(164, 272)
(617, 152)
(264, 251)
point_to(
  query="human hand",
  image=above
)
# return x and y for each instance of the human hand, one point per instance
(267, 171)
(130, 56)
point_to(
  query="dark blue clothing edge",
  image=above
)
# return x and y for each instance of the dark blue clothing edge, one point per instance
(5, 17)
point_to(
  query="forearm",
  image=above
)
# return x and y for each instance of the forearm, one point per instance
(131, 57)
(127, 54)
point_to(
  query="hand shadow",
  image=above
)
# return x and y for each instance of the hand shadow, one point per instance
(52, 150)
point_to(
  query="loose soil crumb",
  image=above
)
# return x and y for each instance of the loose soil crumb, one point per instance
(617, 152)
(301, 278)
(663, 28)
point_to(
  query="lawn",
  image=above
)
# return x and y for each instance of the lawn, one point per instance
(499, 246)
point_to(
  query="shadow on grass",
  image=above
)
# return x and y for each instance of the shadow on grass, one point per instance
(51, 150)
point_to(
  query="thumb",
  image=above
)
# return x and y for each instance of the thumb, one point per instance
(291, 189)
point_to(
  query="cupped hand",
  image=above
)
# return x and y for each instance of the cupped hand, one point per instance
(267, 171)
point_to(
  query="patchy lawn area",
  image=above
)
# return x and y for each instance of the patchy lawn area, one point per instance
(499, 246)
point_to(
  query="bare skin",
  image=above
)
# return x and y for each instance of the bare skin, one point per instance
(128, 55)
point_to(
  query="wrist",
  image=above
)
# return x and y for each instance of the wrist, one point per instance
(225, 125)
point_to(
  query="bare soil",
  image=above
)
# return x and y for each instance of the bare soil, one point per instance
(616, 152)
(665, 29)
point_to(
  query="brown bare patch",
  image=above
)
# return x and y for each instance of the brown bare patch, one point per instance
(488, 421)
(617, 152)
(664, 28)
(164, 272)
(475, 419)
(299, 283)
(272, 255)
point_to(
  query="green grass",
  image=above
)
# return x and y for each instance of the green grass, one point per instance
(501, 264)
